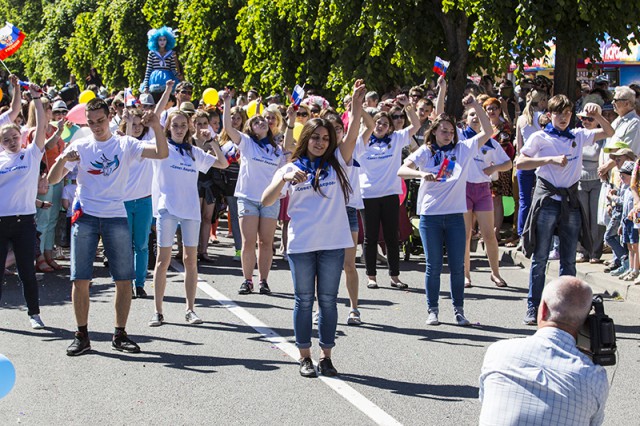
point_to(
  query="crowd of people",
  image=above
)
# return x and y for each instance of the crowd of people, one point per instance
(142, 173)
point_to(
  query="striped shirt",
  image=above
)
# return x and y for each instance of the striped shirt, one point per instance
(541, 380)
(156, 61)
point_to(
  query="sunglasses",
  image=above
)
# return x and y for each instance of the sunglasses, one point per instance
(302, 114)
(119, 105)
(397, 117)
(186, 92)
(587, 119)
(490, 109)
(415, 95)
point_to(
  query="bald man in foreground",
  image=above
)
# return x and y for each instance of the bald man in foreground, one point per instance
(544, 379)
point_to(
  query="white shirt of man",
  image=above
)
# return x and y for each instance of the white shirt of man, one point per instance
(541, 380)
(175, 182)
(257, 167)
(19, 174)
(379, 164)
(627, 130)
(317, 222)
(542, 144)
(103, 173)
(448, 195)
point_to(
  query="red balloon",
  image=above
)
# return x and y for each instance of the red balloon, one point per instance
(77, 114)
(403, 196)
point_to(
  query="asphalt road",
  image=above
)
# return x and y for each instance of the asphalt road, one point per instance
(237, 367)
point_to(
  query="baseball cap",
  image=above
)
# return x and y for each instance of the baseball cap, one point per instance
(627, 167)
(59, 106)
(188, 108)
(602, 78)
(614, 145)
(147, 99)
(624, 152)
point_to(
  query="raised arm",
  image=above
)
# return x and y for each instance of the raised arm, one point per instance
(485, 134)
(289, 141)
(442, 94)
(605, 130)
(16, 102)
(53, 140)
(349, 143)
(162, 103)
(233, 134)
(369, 126)
(41, 120)
(160, 149)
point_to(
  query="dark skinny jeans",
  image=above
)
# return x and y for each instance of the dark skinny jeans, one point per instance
(383, 210)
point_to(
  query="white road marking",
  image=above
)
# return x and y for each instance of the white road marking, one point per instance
(375, 413)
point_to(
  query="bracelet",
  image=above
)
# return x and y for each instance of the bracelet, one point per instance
(34, 98)
(289, 127)
(41, 204)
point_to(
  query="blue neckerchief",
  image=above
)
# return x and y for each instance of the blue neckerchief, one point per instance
(311, 167)
(355, 163)
(263, 143)
(438, 152)
(468, 133)
(549, 129)
(182, 147)
(373, 139)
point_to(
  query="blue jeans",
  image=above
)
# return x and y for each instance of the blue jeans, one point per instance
(547, 221)
(325, 267)
(613, 239)
(436, 230)
(116, 238)
(526, 182)
(139, 216)
(232, 202)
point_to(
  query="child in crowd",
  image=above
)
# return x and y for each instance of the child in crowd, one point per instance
(627, 230)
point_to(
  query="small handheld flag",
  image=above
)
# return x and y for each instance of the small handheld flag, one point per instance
(11, 39)
(129, 99)
(446, 170)
(297, 95)
(440, 66)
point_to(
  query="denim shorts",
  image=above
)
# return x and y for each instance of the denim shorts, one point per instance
(629, 232)
(352, 214)
(479, 198)
(116, 238)
(254, 208)
(167, 225)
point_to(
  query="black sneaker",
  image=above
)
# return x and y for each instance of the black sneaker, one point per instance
(122, 343)
(531, 317)
(140, 292)
(264, 287)
(326, 368)
(133, 292)
(79, 345)
(246, 287)
(306, 368)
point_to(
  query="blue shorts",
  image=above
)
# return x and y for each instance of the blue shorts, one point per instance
(116, 238)
(352, 214)
(629, 233)
(254, 208)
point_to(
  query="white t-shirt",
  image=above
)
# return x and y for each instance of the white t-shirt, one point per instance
(69, 194)
(450, 195)
(257, 167)
(140, 174)
(541, 144)
(103, 173)
(19, 175)
(317, 222)
(175, 182)
(355, 198)
(379, 164)
(4, 119)
(489, 153)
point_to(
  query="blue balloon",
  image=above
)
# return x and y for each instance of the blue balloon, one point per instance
(7, 376)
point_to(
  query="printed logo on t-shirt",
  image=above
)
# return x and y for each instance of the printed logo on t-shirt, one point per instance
(105, 166)
(265, 160)
(379, 151)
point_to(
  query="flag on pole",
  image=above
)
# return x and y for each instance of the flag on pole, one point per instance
(11, 39)
(129, 99)
(440, 66)
(297, 95)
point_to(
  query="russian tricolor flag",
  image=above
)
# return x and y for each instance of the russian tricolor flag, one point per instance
(11, 39)
(129, 99)
(440, 66)
(297, 95)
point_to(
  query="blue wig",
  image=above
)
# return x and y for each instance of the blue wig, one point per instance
(154, 35)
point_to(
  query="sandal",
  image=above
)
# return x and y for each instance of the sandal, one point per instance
(43, 266)
(499, 282)
(203, 257)
(467, 283)
(399, 285)
(54, 264)
(354, 317)
(372, 284)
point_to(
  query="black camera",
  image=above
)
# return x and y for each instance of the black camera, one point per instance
(597, 338)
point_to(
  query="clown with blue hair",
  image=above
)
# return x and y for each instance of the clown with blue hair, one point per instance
(162, 61)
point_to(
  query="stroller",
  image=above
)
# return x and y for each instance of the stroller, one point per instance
(409, 226)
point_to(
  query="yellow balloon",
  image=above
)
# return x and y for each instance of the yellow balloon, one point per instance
(86, 96)
(297, 130)
(210, 96)
(254, 108)
(1, 94)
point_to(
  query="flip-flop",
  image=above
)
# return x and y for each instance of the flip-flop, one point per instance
(54, 264)
(399, 285)
(499, 283)
(43, 266)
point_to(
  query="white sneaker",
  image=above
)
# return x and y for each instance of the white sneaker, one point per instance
(192, 318)
(433, 317)
(36, 322)
(460, 318)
